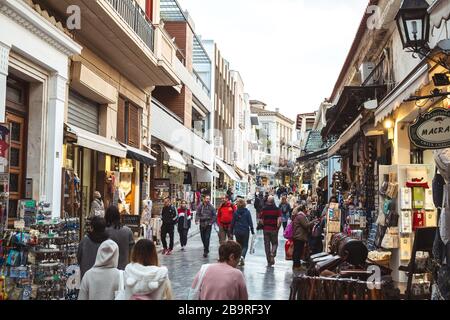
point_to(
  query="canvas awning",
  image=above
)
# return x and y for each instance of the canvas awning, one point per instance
(96, 142)
(176, 160)
(228, 170)
(415, 81)
(139, 155)
(198, 164)
(346, 136)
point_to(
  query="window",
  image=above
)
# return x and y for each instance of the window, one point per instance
(128, 123)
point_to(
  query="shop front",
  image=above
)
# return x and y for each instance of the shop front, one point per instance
(228, 180)
(33, 78)
(184, 161)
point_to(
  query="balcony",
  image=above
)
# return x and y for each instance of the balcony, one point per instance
(120, 32)
(167, 127)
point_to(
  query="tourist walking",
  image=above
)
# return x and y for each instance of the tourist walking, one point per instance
(241, 227)
(169, 218)
(222, 281)
(144, 278)
(224, 219)
(102, 281)
(122, 235)
(184, 223)
(301, 232)
(271, 221)
(205, 216)
(87, 250)
(285, 208)
(259, 203)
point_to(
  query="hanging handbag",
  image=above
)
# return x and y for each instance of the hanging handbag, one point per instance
(392, 219)
(391, 239)
(381, 231)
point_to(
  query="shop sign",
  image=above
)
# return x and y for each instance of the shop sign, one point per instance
(431, 130)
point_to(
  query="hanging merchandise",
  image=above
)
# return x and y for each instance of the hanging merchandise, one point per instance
(431, 219)
(418, 198)
(391, 239)
(406, 199)
(418, 219)
(405, 248)
(429, 205)
(406, 225)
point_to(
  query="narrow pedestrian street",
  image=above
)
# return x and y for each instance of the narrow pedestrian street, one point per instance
(263, 283)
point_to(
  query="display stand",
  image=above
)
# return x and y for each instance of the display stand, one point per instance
(333, 224)
(404, 174)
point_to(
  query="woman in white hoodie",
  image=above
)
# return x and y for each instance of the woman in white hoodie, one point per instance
(102, 281)
(144, 278)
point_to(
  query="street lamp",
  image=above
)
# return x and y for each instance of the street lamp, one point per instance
(413, 22)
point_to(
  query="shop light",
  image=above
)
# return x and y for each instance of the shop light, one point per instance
(388, 124)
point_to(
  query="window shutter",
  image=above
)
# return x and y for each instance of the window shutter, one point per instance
(134, 126)
(121, 120)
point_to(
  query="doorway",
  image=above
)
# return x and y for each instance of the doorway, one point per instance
(17, 117)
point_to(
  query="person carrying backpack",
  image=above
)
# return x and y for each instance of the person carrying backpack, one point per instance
(241, 226)
(224, 218)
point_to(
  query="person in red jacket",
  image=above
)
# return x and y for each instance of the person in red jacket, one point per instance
(224, 218)
(184, 223)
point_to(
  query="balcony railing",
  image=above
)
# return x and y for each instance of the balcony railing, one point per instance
(199, 80)
(136, 18)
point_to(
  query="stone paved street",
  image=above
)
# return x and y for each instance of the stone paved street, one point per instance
(263, 283)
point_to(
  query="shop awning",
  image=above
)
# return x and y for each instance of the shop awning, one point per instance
(215, 174)
(313, 156)
(139, 155)
(176, 160)
(439, 13)
(346, 136)
(415, 81)
(229, 171)
(198, 164)
(95, 142)
(244, 175)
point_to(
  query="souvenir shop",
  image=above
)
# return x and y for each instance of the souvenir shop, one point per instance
(355, 184)
(170, 178)
(94, 163)
(228, 179)
(38, 255)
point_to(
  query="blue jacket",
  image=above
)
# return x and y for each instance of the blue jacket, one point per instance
(242, 222)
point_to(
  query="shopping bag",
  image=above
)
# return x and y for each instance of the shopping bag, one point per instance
(194, 293)
(289, 232)
(252, 244)
(289, 249)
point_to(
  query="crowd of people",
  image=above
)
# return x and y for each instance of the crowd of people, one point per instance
(113, 266)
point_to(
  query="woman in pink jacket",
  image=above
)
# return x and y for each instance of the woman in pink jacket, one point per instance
(222, 281)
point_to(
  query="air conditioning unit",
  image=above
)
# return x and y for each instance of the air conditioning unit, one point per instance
(365, 70)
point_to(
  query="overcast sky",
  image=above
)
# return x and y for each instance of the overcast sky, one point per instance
(289, 52)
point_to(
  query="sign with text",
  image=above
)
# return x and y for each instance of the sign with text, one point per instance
(431, 130)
